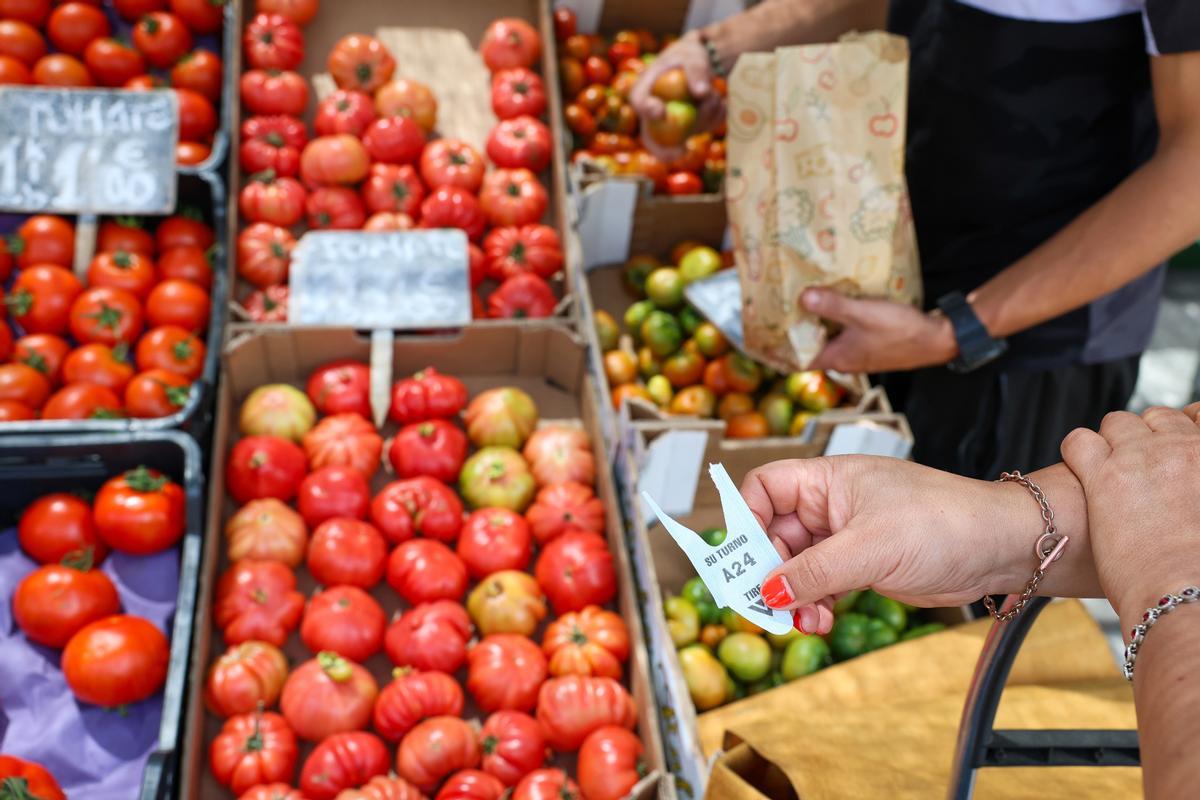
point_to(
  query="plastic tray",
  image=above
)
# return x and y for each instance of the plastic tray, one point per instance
(31, 467)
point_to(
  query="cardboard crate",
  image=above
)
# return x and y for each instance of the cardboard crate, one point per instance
(543, 359)
(454, 28)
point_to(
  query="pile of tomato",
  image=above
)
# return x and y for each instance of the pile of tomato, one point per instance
(501, 590)
(109, 659)
(131, 44)
(373, 166)
(126, 341)
(596, 76)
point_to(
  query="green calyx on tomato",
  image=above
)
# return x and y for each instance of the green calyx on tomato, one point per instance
(143, 480)
(337, 668)
(107, 316)
(19, 302)
(176, 395)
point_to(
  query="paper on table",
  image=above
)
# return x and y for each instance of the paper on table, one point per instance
(734, 570)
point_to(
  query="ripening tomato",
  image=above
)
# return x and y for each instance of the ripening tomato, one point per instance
(140, 512)
(44, 239)
(346, 551)
(73, 25)
(414, 696)
(23, 384)
(524, 296)
(576, 570)
(32, 12)
(52, 603)
(57, 525)
(100, 365)
(513, 746)
(41, 297)
(176, 302)
(107, 315)
(32, 779)
(333, 491)
(82, 401)
(530, 248)
(272, 143)
(13, 72)
(112, 62)
(257, 601)
(342, 762)
(572, 707)
(512, 197)
(245, 675)
(341, 387)
(588, 642)
(453, 207)
(408, 98)
(360, 62)
(162, 38)
(423, 570)
(546, 784)
(343, 620)
(274, 92)
(394, 140)
(335, 160)
(187, 264)
(561, 507)
(392, 187)
(328, 695)
(494, 539)
(124, 235)
(557, 454)
(264, 466)
(116, 661)
(521, 142)
(300, 12)
(59, 69)
(344, 111)
(435, 448)
(44, 352)
(266, 529)
(200, 71)
(132, 272)
(185, 229)
(430, 636)
(510, 42)
(156, 393)
(345, 439)
(434, 749)
(504, 672)
(422, 506)
(272, 41)
(253, 749)
(518, 92)
(267, 305)
(471, 784)
(202, 16)
(264, 254)
(335, 208)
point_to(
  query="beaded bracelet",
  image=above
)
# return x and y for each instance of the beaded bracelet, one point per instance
(1165, 604)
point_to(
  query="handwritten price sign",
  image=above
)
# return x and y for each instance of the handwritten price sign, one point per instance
(91, 151)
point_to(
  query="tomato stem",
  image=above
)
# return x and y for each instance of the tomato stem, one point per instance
(15, 788)
(143, 480)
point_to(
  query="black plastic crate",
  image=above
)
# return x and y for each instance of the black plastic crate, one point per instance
(31, 467)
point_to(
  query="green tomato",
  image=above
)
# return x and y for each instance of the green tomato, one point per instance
(699, 263)
(660, 390)
(781, 640)
(664, 287)
(804, 656)
(683, 621)
(922, 630)
(713, 536)
(710, 612)
(635, 315)
(876, 605)
(846, 604)
(736, 623)
(690, 319)
(661, 333)
(733, 689)
(746, 656)
(849, 636)
(695, 591)
(706, 679)
(770, 681)
(880, 634)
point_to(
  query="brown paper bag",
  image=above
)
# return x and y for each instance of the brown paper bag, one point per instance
(815, 187)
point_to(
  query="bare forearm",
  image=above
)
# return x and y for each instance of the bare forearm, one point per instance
(776, 23)
(1166, 689)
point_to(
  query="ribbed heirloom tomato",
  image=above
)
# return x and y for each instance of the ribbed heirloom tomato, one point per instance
(338, 159)
(610, 763)
(342, 762)
(414, 696)
(452, 162)
(257, 600)
(244, 676)
(421, 505)
(346, 551)
(513, 746)
(408, 98)
(547, 784)
(272, 41)
(508, 601)
(524, 296)
(253, 749)
(264, 254)
(140, 512)
(56, 525)
(345, 111)
(571, 707)
(54, 601)
(522, 142)
(382, 787)
(453, 207)
(576, 570)
(116, 661)
(436, 748)
(510, 42)
(268, 530)
(505, 671)
(300, 12)
(333, 491)
(340, 387)
(343, 620)
(271, 791)
(558, 454)
(560, 507)
(267, 197)
(388, 221)
(471, 784)
(269, 91)
(360, 62)
(335, 208)
(346, 439)
(423, 570)
(431, 636)
(272, 142)
(518, 92)
(435, 448)
(512, 197)
(495, 539)
(327, 695)
(426, 395)
(516, 250)
(392, 187)
(589, 642)
(394, 140)
(267, 305)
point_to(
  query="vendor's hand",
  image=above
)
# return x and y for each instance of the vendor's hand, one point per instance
(687, 53)
(879, 335)
(1140, 477)
(912, 533)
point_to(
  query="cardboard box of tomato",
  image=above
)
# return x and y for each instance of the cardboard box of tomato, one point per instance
(509, 369)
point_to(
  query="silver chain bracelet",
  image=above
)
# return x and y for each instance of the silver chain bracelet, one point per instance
(1137, 635)
(1048, 548)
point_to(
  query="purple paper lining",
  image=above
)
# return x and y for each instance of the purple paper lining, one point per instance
(95, 754)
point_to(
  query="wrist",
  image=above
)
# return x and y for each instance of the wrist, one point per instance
(943, 344)
(721, 43)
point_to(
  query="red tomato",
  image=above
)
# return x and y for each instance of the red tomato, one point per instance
(13, 72)
(328, 695)
(422, 505)
(192, 153)
(452, 162)
(245, 675)
(124, 234)
(597, 70)
(6, 346)
(333, 491)
(576, 570)
(343, 620)
(186, 263)
(435, 748)
(342, 762)
(28, 779)
(423, 570)
(394, 140)
(570, 708)
(272, 41)
(58, 69)
(272, 143)
(33, 12)
(132, 10)
(156, 393)
(112, 62)
(21, 41)
(171, 348)
(510, 42)
(684, 183)
(72, 25)
(162, 38)
(253, 749)
(23, 384)
(274, 92)
(144, 83)
(564, 23)
(512, 197)
(334, 160)
(346, 551)
(107, 315)
(435, 448)
(561, 507)
(83, 401)
(518, 92)
(478, 268)
(56, 525)
(431, 636)
(530, 248)
(116, 661)
(40, 298)
(589, 642)
(44, 352)
(345, 439)
(187, 228)
(272, 791)
(44, 239)
(267, 305)
(122, 270)
(610, 763)
(100, 365)
(300, 12)
(494, 539)
(412, 697)
(513, 746)
(407, 98)
(547, 784)
(344, 111)
(264, 466)
(335, 208)
(140, 512)
(522, 142)
(360, 62)
(471, 784)
(426, 395)
(257, 600)
(341, 387)
(264, 254)
(197, 117)
(504, 671)
(453, 207)
(201, 72)
(54, 601)
(202, 16)
(176, 302)
(388, 221)
(524, 296)
(391, 187)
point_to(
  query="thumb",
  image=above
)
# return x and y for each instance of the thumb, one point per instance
(834, 565)
(834, 306)
(1083, 451)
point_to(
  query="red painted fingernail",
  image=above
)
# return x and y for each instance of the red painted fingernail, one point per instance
(776, 592)
(797, 623)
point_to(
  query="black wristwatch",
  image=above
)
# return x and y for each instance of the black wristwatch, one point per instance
(976, 346)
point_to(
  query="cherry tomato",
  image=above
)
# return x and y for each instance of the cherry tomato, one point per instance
(41, 297)
(188, 263)
(44, 352)
(132, 272)
(200, 71)
(162, 38)
(24, 384)
(59, 69)
(56, 525)
(116, 661)
(100, 365)
(124, 234)
(112, 62)
(171, 348)
(187, 228)
(178, 302)
(197, 117)
(156, 393)
(33, 12)
(13, 72)
(107, 315)
(44, 239)
(72, 25)
(140, 512)
(83, 401)
(21, 41)
(192, 153)
(54, 601)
